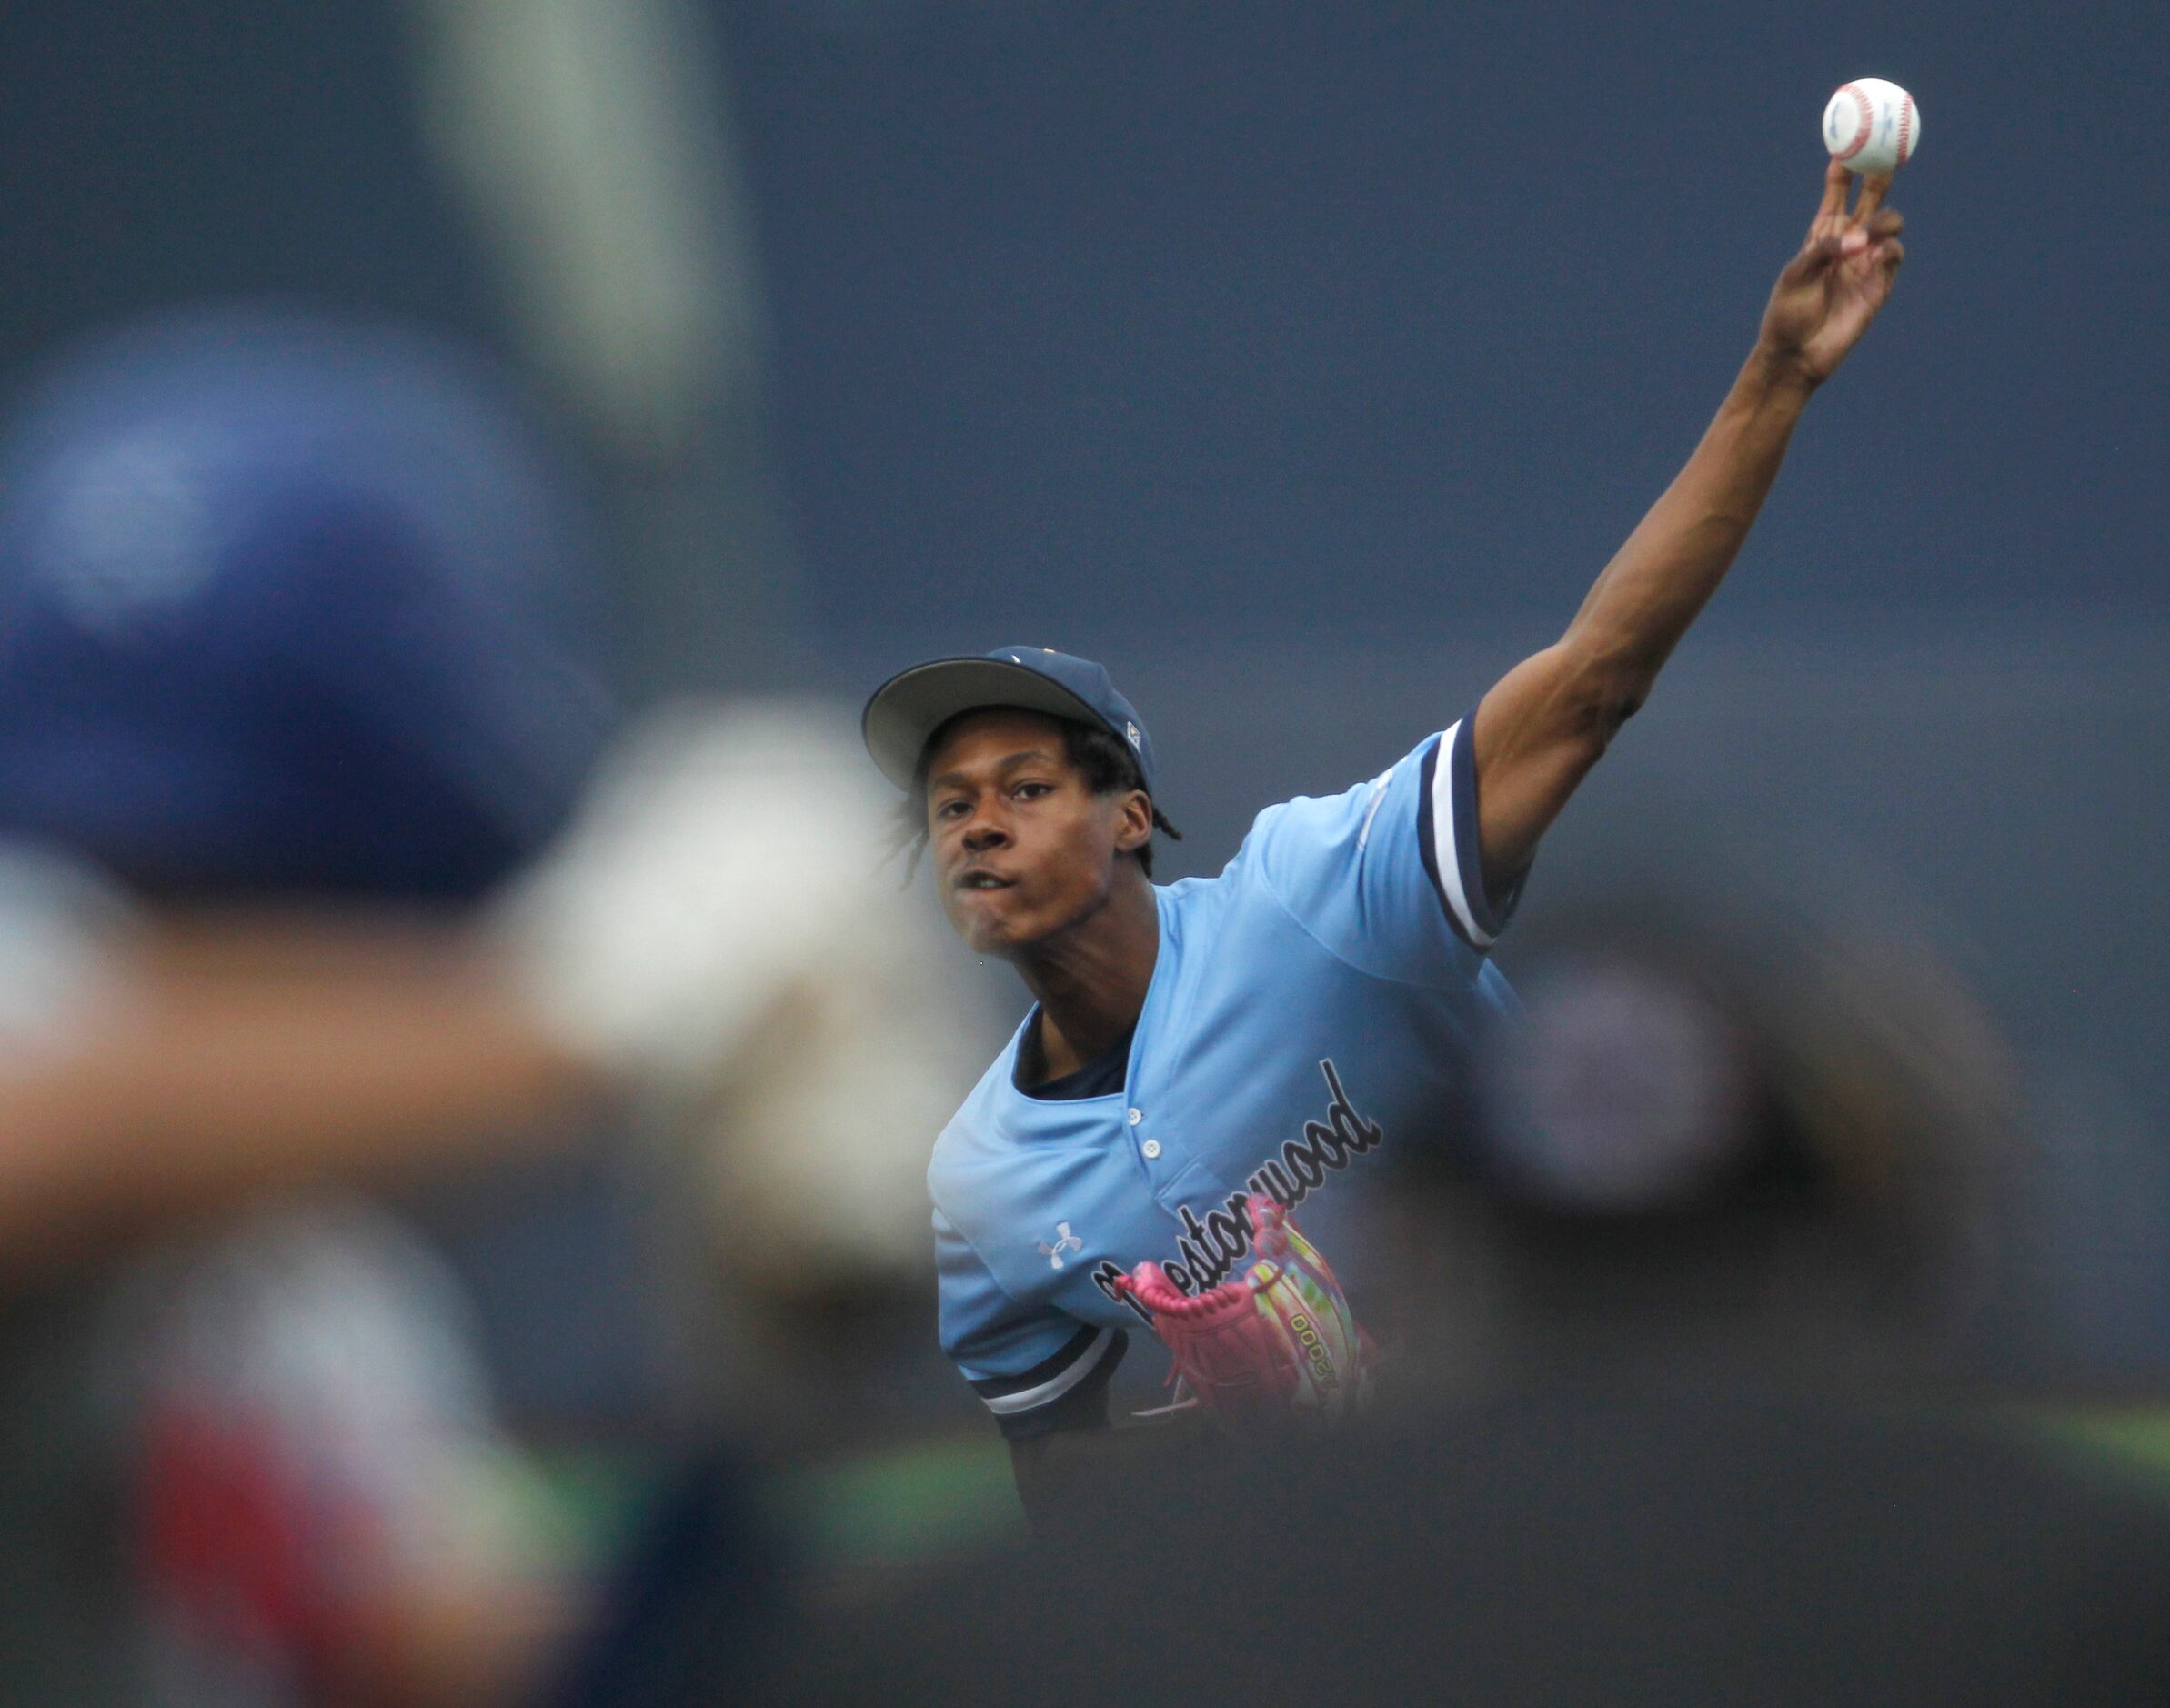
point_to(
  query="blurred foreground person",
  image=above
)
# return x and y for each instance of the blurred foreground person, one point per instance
(308, 881)
(1674, 1420)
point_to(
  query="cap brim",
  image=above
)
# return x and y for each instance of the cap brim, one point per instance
(911, 705)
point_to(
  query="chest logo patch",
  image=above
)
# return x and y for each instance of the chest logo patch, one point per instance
(1065, 1241)
(1209, 1247)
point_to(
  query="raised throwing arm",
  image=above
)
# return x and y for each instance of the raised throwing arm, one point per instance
(1548, 721)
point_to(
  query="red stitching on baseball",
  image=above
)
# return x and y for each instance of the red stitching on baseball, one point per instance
(1905, 127)
(1868, 122)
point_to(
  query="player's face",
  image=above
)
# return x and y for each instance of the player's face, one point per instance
(1022, 848)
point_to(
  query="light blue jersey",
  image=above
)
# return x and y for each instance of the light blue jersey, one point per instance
(1309, 1007)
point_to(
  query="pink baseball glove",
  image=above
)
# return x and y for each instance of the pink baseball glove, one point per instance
(1275, 1345)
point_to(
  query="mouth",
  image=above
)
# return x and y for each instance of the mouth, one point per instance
(979, 878)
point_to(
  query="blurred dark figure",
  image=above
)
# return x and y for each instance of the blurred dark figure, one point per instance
(1717, 1140)
(306, 891)
(297, 660)
(1687, 1409)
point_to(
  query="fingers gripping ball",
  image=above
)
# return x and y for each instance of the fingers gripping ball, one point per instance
(1278, 1344)
(1872, 126)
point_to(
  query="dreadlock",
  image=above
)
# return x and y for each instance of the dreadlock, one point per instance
(1108, 767)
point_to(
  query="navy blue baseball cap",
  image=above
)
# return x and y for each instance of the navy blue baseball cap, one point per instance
(908, 708)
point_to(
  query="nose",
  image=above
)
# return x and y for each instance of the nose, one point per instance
(984, 833)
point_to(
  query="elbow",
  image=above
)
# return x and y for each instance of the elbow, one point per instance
(1604, 678)
(1599, 704)
(1612, 675)
(1621, 705)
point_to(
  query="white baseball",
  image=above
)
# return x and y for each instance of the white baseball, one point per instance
(1872, 126)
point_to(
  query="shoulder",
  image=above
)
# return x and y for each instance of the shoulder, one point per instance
(1298, 834)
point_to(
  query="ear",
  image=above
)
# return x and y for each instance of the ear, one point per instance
(1133, 822)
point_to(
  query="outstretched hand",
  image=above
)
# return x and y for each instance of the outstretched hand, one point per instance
(1829, 293)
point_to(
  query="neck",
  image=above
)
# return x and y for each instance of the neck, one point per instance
(1090, 980)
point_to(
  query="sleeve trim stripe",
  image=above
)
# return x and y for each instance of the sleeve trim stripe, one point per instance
(1451, 851)
(1057, 1385)
(1053, 1364)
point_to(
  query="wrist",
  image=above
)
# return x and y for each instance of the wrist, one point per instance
(1781, 374)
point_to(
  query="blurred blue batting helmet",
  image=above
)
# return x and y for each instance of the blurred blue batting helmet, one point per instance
(287, 607)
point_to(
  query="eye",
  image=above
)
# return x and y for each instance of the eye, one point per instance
(1032, 792)
(950, 809)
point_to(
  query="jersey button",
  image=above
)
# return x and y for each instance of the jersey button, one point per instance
(1134, 1116)
(1151, 1147)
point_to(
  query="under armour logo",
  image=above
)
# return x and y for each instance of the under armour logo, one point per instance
(1065, 1241)
(1131, 730)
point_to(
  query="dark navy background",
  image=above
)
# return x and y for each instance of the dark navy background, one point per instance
(1145, 317)
(1272, 315)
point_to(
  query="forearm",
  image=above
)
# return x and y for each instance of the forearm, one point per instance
(263, 1053)
(1547, 721)
(1668, 569)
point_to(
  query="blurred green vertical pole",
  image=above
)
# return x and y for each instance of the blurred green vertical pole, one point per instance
(591, 140)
